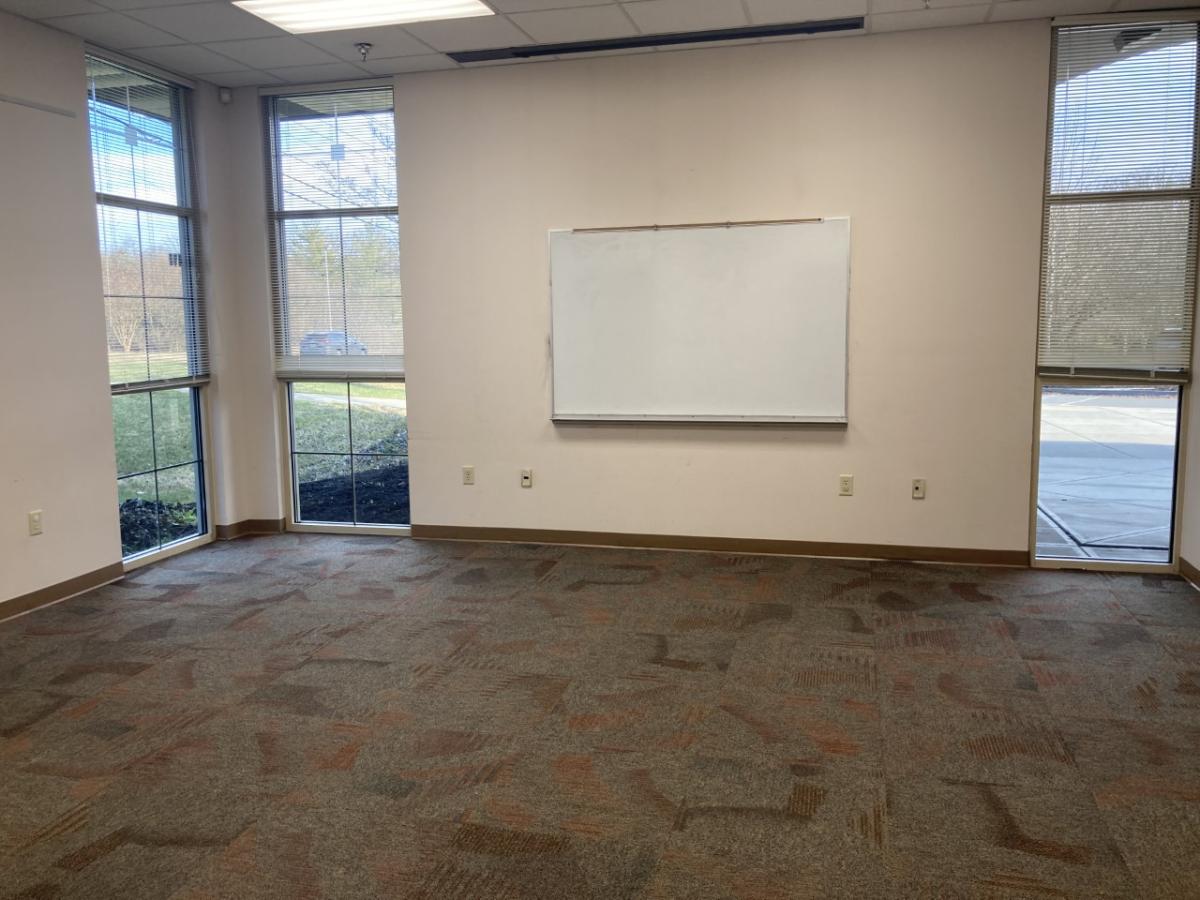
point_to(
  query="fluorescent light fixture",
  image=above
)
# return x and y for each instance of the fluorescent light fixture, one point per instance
(304, 16)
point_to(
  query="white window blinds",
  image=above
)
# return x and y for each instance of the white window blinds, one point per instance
(141, 162)
(335, 244)
(1120, 223)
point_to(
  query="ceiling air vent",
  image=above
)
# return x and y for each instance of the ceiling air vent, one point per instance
(533, 51)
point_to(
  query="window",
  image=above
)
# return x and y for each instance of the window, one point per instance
(1117, 291)
(1106, 471)
(154, 309)
(339, 335)
(350, 452)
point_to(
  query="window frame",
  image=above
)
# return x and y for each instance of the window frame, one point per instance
(1104, 565)
(193, 294)
(294, 493)
(1046, 376)
(1052, 199)
(287, 477)
(206, 532)
(277, 217)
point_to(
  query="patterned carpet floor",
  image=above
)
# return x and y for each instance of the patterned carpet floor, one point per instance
(308, 716)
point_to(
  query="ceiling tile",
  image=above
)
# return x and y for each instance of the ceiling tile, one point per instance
(338, 71)
(205, 22)
(890, 6)
(589, 23)
(122, 5)
(475, 33)
(113, 30)
(386, 42)
(1135, 5)
(661, 16)
(928, 18)
(41, 9)
(401, 65)
(188, 59)
(1044, 9)
(509, 6)
(272, 53)
(241, 79)
(767, 12)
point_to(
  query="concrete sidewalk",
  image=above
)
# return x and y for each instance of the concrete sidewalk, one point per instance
(1107, 473)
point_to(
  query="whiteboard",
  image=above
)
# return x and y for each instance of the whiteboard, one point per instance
(723, 323)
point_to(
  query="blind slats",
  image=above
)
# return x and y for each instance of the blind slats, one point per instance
(335, 242)
(141, 162)
(1119, 234)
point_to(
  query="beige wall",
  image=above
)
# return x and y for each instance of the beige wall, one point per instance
(932, 142)
(242, 416)
(56, 444)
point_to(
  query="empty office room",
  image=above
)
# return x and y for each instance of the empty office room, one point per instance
(599, 449)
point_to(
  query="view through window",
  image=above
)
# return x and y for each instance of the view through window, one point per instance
(339, 331)
(350, 452)
(1106, 472)
(154, 314)
(1118, 288)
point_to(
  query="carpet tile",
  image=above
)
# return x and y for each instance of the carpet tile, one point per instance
(296, 717)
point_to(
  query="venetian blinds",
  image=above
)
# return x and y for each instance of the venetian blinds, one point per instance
(335, 245)
(1120, 220)
(141, 163)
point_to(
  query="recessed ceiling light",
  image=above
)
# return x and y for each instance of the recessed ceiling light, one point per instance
(304, 16)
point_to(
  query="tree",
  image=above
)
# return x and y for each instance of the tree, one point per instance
(126, 322)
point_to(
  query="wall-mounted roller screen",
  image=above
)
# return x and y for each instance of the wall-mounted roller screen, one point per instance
(725, 323)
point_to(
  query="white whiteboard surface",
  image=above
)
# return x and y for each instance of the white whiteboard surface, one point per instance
(729, 323)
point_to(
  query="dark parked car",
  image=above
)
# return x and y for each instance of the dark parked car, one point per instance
(331, 343)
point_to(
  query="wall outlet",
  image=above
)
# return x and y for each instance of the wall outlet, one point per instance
(918, 488)
(35, 522)
(527, 478)
(845, 485)
(468, 474)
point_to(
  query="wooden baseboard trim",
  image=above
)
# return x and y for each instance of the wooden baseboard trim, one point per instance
(249, 526)
(61, 591)
(1188, 571)
(724, 544)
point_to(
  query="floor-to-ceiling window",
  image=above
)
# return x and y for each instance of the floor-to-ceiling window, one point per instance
(154, 311)
(339, 337)
(1118, 289)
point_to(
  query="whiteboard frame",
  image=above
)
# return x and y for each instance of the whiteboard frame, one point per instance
(696, 418)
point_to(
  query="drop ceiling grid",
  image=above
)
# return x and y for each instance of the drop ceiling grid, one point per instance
(217, 42)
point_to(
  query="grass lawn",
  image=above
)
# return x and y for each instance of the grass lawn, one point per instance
(351, 456)
(155, 431)
(392, 391)
(142, 446)
(323, 426)
(124, 368)
(372, 420)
